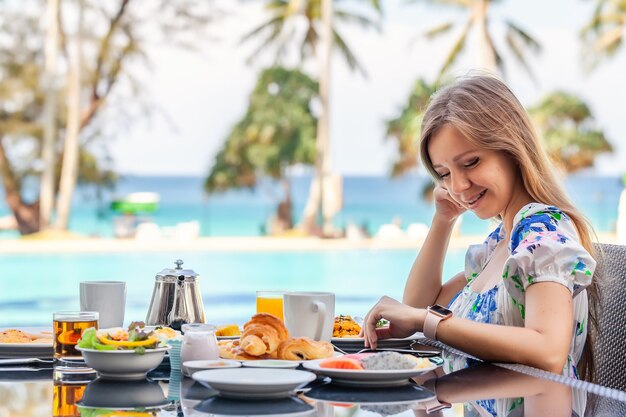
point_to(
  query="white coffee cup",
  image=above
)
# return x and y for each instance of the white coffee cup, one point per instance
(310, 314)
(108, 298)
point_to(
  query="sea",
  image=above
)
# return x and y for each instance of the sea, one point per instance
(34, 285)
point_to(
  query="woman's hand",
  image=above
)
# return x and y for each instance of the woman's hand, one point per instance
(403, 321)
(446, 207)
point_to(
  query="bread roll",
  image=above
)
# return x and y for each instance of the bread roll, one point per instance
(303, 348)
(262, 335)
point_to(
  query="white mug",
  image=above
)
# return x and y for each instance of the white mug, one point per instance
(108, 298)
(310, 314)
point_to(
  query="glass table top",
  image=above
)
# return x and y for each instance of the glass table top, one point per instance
(480, 390)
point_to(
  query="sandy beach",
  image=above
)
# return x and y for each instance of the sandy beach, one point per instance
(77, 244)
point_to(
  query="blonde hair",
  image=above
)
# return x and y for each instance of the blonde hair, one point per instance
(487, 113)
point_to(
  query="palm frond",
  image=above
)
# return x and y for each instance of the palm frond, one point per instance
(456, 50)
(524, 36)
(518, 53)
(363, 21)
(266, 43)
(496, 54)
(350, 58)
(272, 23)
(438, 30)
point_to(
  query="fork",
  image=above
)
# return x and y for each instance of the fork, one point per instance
(338, 349)
(21, 361)
(420, 353)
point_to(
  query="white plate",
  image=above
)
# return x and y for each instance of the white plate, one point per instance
(254, 382)
(227, 337)
(351, 377)
(271, 363)
(381, 342)
(24, 350)
(202, 365)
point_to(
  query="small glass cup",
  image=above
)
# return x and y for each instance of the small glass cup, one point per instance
(68, 327)
(68, 389)
(270, 302)
(199, 343)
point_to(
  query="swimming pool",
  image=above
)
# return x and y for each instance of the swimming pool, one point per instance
(33, 286)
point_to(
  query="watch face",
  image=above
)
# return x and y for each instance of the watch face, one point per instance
(440, 310)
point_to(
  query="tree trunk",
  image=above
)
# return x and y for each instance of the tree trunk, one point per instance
(69, 170)
(314, 213)
(26, 215)
(284, 213)
(47, 186)
(480, 9)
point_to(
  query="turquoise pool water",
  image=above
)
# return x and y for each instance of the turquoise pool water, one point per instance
(33, 286)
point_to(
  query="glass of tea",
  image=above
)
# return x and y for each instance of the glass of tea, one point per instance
(270, 302)
(68, 326)
(68, 389)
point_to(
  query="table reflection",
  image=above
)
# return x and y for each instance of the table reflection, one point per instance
(481, 390)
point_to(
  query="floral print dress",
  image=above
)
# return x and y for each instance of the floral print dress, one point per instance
(543, 247)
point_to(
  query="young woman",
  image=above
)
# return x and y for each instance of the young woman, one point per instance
(523, 296)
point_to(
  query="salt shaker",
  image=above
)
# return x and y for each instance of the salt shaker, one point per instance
(199, 343)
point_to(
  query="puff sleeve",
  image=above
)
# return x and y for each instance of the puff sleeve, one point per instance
(544, 247)
(477, 255)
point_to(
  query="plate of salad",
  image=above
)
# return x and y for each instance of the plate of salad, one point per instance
(118, 353)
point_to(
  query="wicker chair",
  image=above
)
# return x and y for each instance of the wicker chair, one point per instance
(610, 343)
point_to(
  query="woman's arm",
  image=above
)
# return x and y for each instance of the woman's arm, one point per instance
(486, 382)
(423, 287)
(543, 342)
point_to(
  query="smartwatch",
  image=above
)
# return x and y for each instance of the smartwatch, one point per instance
(434, 314)
(433, 404)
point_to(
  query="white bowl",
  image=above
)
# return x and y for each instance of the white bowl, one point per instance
(123, 364)
(201, 365)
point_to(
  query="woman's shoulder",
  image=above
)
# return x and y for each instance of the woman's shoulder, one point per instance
(540, 218)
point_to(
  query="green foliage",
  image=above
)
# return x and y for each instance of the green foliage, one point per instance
(277, 33)
(277, 131)
(405, 129)
(517, 40)
(569, 132)
(603, 35)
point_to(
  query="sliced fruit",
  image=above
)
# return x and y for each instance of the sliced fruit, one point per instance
(228, 330)
(126, 343)
(342, 363)
(69, 337)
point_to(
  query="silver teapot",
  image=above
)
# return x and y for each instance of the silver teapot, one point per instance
(176, 298)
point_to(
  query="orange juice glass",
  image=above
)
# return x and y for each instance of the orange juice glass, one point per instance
(270, 302)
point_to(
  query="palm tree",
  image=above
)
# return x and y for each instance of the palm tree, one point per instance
(604, 33)
(320, 37)
(569, 133)
(276, 133)
(405, 128)
(517, 39)
(278, 32)
(114, 40)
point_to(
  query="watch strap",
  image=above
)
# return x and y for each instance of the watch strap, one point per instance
(433, 404)
(434, 314)
(430, 325)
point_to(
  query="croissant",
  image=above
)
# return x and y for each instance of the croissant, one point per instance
(262, 335)
(303, 348)
(230, 349)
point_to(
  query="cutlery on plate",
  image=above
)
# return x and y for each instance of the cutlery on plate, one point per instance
(420, 353)
(22, 361)
(338, 349)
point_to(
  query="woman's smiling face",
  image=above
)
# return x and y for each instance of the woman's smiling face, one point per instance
(486, 182)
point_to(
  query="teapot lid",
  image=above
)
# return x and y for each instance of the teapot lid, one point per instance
(189, 274)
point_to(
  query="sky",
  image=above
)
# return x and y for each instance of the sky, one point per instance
(200, 95)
